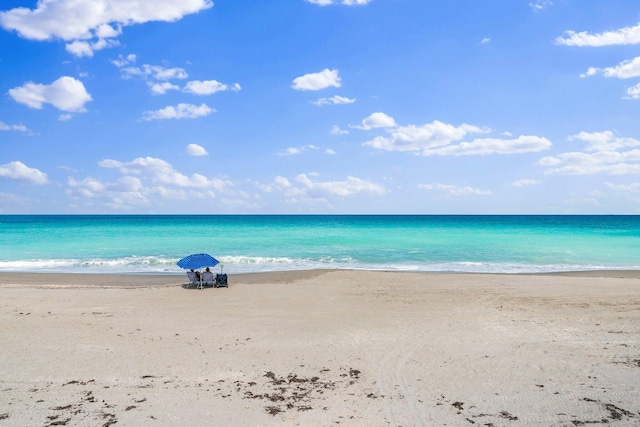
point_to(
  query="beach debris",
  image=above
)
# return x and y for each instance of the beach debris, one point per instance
(294, 391)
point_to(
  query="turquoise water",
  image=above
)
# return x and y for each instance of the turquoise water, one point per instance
(153, 244)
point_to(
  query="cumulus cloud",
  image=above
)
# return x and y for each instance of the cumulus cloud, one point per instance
(65, 94)
(209, 87)
(629, 68)
(626, 69)
(343, 2)
(145, 181)
(334, 100)
(180, 111)
(605, 154)
(623, 36)
(125, 192)
(18, 171)
(317, 81)
(161, 172)
(443, 139)
(455, 190)
(196, 150)
(162, 88)
(91, 25)
(634, 92)
(376, 120)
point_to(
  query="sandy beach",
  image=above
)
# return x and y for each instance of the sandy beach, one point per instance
(320, 348)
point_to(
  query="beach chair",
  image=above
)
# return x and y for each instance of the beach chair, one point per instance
(193, 279)
(221, 281)
(207, 279)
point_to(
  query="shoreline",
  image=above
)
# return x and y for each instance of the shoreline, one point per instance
(285, 276)
(321, 347)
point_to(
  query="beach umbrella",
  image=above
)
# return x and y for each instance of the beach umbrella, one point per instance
(196, 261)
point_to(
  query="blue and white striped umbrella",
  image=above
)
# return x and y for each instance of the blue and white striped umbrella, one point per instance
(196, 261)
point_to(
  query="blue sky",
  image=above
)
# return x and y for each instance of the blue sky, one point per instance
(320, 106)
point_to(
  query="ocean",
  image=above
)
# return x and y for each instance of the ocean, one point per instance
(152, 244)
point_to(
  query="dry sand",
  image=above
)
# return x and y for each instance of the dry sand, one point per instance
(323, 348)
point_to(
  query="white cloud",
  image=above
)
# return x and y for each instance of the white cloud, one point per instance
(161, 172)
(419, 138)
(317, 81)
(486, 146)
(344, 2)
(624, 36)
(196, 150)
(607, 162)
(180, 111)
(624, 70)
(16, 128)
(157, 78)
(162, 88)
(123, 61)
(80, 48)
(348, 187)
(603, 156)
(455, 190)
(209, 87)
(291, 151)
(280, 183)
(335, 130)
(540, 4)
(376, 120)
(20, 172)
(333, 100)
(88, 187)
(155, 72)
(630, 191)
(634, 92)
(626, 188)
(438, 138)
(92, 22)
(303, 187)
(66, 94)
(604, 141)
(485, 40)
(525, 182)
(145, 181)
(126, 191)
